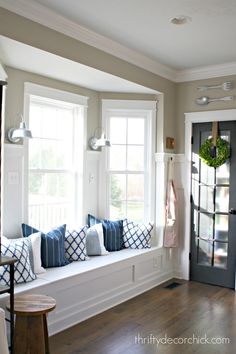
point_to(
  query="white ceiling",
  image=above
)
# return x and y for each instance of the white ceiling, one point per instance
(24, 57)
(143, 25)
(140, 31)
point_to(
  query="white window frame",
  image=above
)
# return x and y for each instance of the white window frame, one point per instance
(31, 89)
(134, 108)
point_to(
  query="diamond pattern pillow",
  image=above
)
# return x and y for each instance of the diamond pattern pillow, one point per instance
(135, 235)
(75, 244)
(19, 250)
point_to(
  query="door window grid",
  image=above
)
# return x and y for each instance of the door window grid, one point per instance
(212, 237)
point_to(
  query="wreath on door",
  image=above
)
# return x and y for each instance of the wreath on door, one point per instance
(222, 152)
(214, 151)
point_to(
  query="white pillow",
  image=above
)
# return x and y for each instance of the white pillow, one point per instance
(35, 240)
(95, 241)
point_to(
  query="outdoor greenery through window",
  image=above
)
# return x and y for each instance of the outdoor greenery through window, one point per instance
(129, 164)
(55, 162)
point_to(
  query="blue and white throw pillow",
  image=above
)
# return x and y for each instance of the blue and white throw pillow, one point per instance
(136, 235)
(75, 244)
(112, 230)
(19, 249)
(52, 245)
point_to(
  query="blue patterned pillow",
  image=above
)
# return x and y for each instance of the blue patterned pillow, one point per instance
(135, 235)
(75, 244)
(23, 272)
(113, 240)
(52, 245)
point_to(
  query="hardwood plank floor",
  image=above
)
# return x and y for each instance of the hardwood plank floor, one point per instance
(189, 312)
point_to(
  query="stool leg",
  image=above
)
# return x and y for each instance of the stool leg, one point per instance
(45, 325)
(21, 335)
(36, 335)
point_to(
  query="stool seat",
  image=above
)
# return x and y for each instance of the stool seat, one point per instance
(31, 331)
(33, 304)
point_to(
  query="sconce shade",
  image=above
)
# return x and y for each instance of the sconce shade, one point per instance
(14, 135)
(95, 143)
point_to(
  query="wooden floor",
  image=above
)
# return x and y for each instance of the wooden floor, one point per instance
(191, 310)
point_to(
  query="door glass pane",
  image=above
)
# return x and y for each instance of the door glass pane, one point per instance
(222, 173)
(207, 198)
(221, 227)
(206, 226)
(205, 252)
(195, 222)
(222, 199)
(220, 255)
(195, 192)
(207, 174)
(117, 158)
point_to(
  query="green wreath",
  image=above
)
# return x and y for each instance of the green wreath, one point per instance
(222, 152)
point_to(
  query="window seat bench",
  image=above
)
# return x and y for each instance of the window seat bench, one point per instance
(84, 289)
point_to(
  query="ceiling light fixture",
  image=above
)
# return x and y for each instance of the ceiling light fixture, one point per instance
(180, 20)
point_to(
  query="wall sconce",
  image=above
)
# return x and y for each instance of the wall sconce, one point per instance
(15, 135)
(96, 143)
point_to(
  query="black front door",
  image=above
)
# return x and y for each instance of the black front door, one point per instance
(213, 224)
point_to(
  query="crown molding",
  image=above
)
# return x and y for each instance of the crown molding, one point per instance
(46, 17)
(206, 72)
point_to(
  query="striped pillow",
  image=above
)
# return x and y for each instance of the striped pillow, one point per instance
(112, 230)
(52, 245)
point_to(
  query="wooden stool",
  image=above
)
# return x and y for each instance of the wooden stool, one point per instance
(31, 330)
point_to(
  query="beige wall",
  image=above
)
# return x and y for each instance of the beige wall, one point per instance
(187, 93)
(31, 33)
(15, 97)
(175, 101)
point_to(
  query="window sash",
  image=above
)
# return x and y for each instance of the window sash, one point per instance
(148, 170)
(73, 170)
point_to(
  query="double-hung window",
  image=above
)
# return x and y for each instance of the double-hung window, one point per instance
(130, 174)
(55, 161)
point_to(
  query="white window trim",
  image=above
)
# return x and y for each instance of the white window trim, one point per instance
(60, 95)
(149, 108)
(67, 98)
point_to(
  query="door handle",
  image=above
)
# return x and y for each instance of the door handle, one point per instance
(232, 211)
